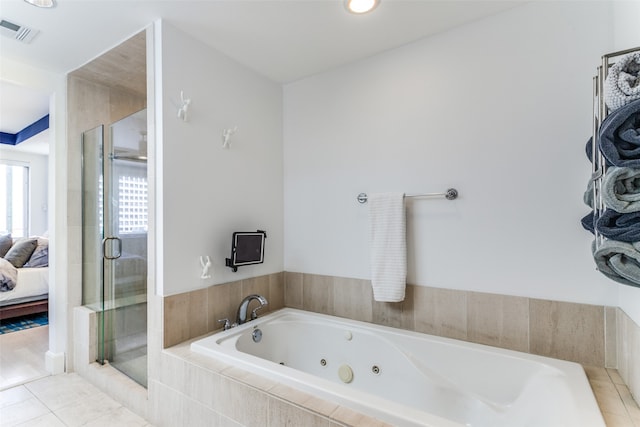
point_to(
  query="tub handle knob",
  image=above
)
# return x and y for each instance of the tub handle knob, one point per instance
(254, 312)
(226, 325)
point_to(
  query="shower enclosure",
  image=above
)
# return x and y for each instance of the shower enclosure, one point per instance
(114, 241)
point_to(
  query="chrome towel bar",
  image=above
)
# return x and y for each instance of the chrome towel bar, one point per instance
(450, 194)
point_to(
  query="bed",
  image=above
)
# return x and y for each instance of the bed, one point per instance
(24, 276)
(30, 295)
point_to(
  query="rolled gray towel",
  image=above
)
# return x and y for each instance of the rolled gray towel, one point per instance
(621, 189)
(588, 222)
(622, 84)
(587, 197)
(619, 261)
(589, 150)
(619, 134)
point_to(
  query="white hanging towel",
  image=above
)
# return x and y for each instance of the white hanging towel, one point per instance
(387, 230)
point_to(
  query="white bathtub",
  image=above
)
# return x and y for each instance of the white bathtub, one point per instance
(406, 378)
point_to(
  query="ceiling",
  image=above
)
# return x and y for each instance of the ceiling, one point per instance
(284, 40)
(20, 107)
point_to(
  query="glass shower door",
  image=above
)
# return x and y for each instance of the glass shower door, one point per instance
(126, 243)
(115, 241)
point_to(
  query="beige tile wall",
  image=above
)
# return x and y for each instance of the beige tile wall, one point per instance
(628, 343)
(191, 314)
(588, 334)
(568, 331)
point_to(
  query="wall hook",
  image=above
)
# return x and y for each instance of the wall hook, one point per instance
(205, 262)
(183, 109)
(226, 135)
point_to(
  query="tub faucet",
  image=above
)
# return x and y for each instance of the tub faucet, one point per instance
(244, 306)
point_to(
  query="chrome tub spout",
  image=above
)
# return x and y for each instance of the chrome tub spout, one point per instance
(244, 307)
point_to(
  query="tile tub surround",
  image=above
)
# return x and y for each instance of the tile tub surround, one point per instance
(569, 331)
(196, 390)
(628, 340)
(591, 335)
(614, 399)
(562, 330)
(191, 314)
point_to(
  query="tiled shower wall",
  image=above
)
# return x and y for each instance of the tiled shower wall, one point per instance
(93, 104)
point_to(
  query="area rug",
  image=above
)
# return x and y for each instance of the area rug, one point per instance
(23, 322)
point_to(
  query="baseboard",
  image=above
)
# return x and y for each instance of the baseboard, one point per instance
(54, 362)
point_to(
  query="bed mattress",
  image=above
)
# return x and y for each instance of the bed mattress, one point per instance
(32, 285)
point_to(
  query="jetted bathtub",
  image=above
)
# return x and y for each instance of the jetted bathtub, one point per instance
(407, 378)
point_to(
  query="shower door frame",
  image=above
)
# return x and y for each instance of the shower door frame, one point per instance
(101, 240)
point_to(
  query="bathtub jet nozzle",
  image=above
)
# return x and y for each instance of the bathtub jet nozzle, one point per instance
(244, 307)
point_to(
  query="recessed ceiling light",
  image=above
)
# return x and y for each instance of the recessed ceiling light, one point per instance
(361, 6)
(41, 3)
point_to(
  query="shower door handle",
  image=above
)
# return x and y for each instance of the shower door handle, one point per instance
(104, 248)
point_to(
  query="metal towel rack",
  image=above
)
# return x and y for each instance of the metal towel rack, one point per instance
(450, 194)
(600, 113)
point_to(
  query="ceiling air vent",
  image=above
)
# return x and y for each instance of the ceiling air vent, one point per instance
(18, 32)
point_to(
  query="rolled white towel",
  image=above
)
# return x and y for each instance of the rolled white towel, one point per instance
(622, 84)
(387, 227)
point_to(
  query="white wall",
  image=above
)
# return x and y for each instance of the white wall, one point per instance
(627, 36)
(38, 191)
(209, 192)
(499, 109)
(54, 84)
(626, 31)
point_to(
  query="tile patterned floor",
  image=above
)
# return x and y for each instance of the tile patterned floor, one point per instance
(614, 398)
(22, 356)
(63, 400)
